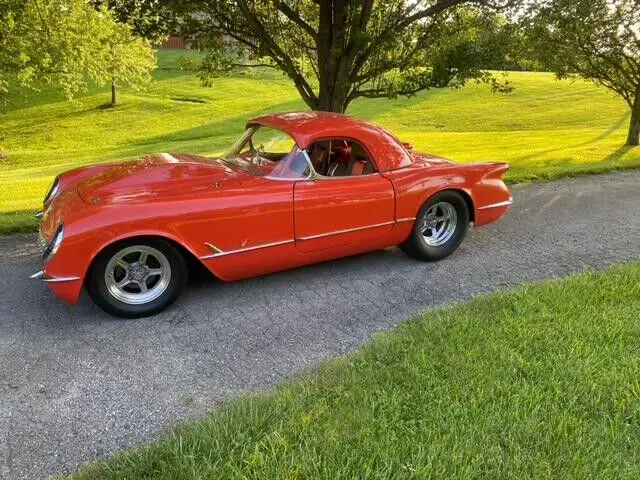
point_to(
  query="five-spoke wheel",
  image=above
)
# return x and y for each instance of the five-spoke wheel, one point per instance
(138, 277)
(439, 228)
(439, 224)
(137, 274)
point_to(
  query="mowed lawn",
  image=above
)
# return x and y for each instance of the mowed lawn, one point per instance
(541, 383)
(545, 128)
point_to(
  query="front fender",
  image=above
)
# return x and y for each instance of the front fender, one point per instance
(91, 230)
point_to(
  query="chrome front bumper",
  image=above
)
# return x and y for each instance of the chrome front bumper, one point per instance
(45, 278)
(40, 275)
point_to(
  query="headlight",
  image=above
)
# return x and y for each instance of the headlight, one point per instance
(53, 191)
(54, 245)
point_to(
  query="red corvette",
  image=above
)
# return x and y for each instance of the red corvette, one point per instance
(295, 189)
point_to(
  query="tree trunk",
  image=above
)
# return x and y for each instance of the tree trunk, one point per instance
(633, 138)
(332, 101)
(113, 93)
(334, 59)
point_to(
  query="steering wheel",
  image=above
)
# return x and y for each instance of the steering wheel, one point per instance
(256, 153)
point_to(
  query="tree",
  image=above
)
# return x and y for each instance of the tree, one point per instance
(150, 19)
(68, 43)
(335, 51)
(126, 59)
(598, 40)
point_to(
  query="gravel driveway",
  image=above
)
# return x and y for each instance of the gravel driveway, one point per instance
(77, 385)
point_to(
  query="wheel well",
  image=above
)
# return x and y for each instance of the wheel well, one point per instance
(465, 196)
(469, 202)
(193, 263)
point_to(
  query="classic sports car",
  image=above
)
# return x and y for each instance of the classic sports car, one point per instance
(295, 189)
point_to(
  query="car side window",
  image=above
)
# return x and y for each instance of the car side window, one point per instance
(340, 158)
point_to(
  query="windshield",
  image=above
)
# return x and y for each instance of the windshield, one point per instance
(265, 151)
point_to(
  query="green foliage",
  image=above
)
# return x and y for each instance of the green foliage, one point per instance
(455, 49)
(335, 52)
(150, 19)
(598, 40)
(67, 43)
(126, 59)
(545, 129)
(537, 383)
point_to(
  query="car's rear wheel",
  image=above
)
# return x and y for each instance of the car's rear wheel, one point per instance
(440, 227)
(137, 277)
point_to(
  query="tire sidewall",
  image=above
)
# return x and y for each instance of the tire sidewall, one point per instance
(99, 293)
(417, 242)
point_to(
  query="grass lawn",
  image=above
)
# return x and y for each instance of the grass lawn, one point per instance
(545, 128)
(541, 382)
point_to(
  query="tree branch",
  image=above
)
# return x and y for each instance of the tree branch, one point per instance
(294, 17)
(278, 55)
(401, 23)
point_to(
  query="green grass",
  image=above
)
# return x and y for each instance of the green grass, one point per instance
(541, 382)
(545, 128)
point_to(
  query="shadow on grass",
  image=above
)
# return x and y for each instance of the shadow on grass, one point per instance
(188, 99)
(618, 154)
(207, 138)
(616, 126)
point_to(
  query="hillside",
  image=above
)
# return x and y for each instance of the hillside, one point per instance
(545, 128)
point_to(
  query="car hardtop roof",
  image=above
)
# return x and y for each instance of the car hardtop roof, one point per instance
(308, 127)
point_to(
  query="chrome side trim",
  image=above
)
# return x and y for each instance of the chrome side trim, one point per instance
(342, 177)
(219, 253)
(349, 230)
(60, 279)
(248, 249)
(42, 276)
(497, 205)
(213, 248)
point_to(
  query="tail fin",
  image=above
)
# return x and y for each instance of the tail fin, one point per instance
(496, 170)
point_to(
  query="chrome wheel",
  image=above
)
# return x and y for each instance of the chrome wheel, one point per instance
(439, 224)
(137, 275)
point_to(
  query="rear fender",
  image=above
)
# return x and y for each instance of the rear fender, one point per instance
(492, 197)
(480, 183)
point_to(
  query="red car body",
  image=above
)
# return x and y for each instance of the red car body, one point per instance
(240, 225)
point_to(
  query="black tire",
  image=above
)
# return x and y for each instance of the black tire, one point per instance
(167, 287)
(417, 246)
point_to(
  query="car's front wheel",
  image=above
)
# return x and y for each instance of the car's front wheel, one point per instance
(440, 227)
(137, 277)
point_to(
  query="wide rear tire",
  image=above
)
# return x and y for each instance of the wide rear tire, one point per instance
(137, 278)
(440, 227)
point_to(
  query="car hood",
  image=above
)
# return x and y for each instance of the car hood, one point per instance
(153, 176)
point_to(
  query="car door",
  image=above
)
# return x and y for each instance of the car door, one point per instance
(330, 212)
